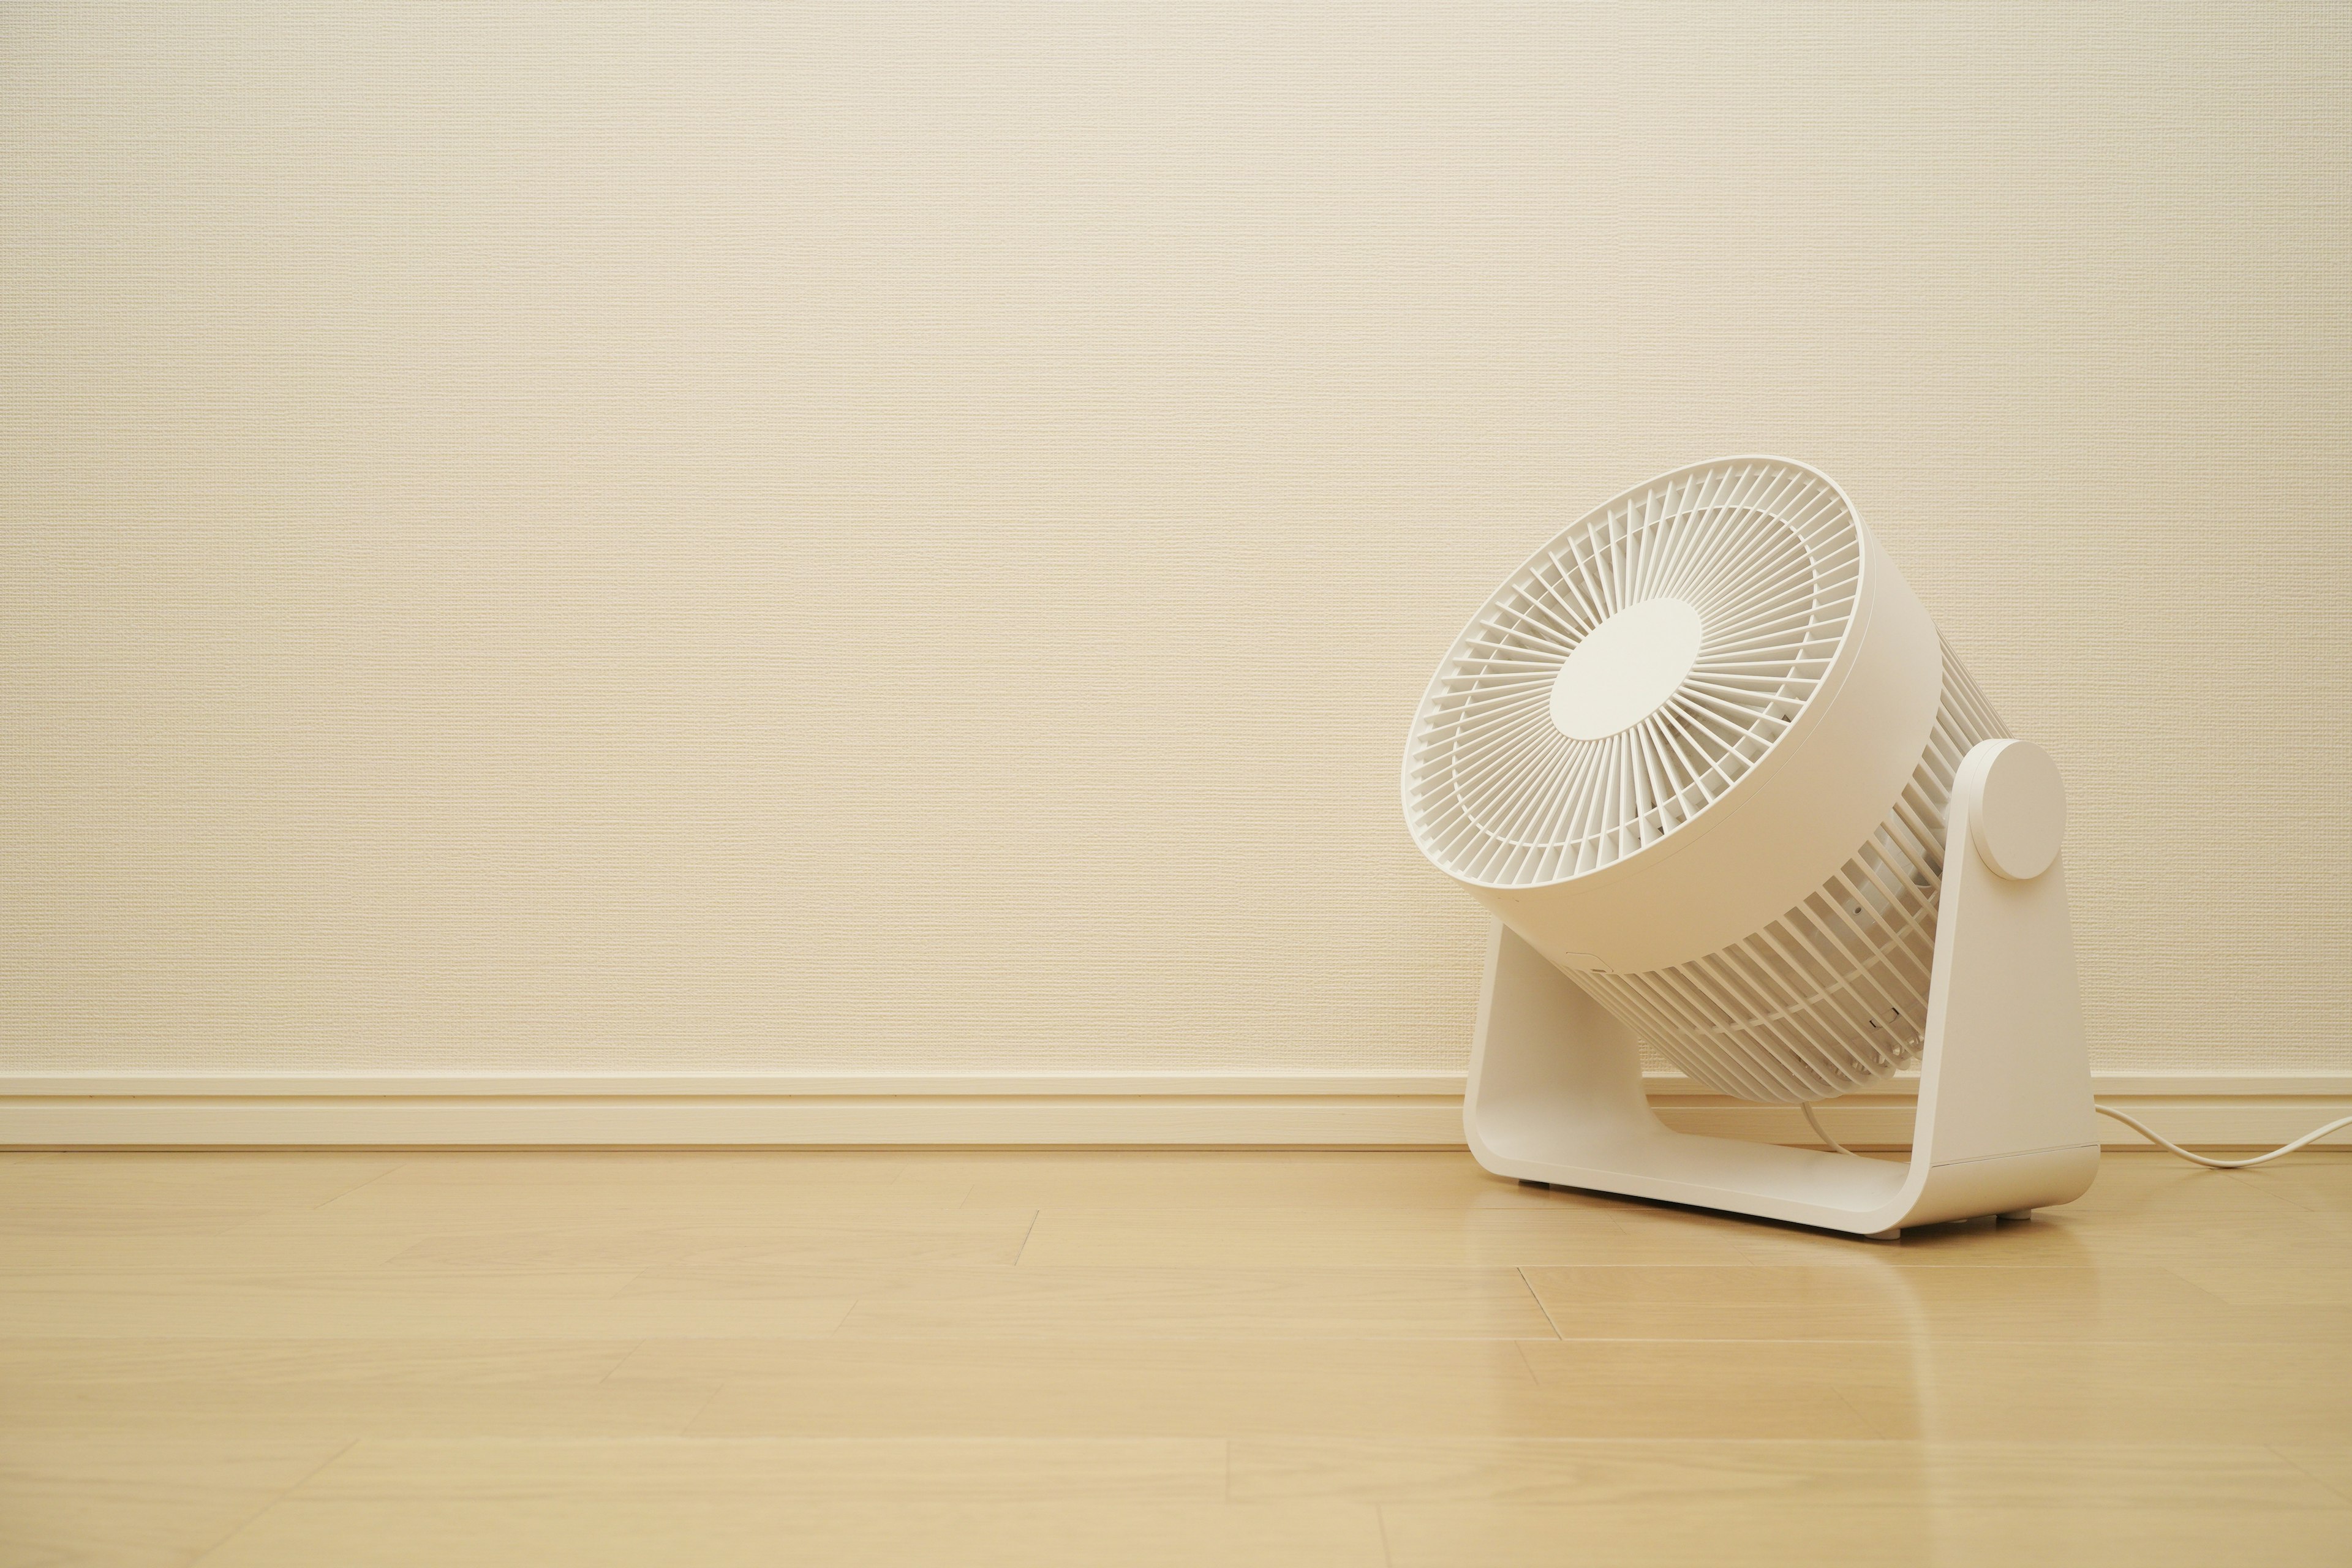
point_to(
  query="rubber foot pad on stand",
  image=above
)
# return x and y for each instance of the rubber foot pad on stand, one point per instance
(2019, 1213)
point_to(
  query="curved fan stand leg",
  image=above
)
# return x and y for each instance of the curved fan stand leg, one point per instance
(2004, 1125)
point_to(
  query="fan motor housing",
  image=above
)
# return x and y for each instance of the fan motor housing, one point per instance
(1746, 870)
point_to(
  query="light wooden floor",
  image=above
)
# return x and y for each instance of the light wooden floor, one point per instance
(1146, 1358)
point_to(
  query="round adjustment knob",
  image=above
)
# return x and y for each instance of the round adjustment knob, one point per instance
(2017, 806)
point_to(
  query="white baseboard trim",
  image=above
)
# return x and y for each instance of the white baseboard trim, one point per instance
(1362, 1110)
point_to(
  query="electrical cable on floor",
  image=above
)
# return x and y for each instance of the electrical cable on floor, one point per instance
(2153, 1136)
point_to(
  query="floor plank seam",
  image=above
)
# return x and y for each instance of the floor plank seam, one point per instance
(242, 1525)
(1879, 1433)
(397, 1166)
(1529, 1285)
(621, 1361)
(686, 1427)
(2302, 1468)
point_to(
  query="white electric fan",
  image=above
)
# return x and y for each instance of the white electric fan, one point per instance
(1711, 766)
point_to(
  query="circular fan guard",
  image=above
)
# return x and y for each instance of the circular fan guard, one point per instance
(1768, 554)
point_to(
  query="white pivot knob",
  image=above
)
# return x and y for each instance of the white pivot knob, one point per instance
(2017, 806)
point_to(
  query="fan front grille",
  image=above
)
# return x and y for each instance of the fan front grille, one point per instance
(1768, 554)
(1833, 995)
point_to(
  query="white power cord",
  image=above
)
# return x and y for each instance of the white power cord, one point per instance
(1815, 1124)
(2146, 1131)
(2155, 1137)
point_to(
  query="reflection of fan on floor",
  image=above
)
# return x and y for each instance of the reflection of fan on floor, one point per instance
(1709, 762)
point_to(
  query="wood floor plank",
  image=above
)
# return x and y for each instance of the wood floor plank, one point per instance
(1708, 1532)
(285, 1278)
(1356, 1237)
(147, 1180)
(759, 1533)
(2330, 1465)
(2057, 1391)
(345, 1410)
(702, 1171)
(1022, 1302)
(450, 1213)
(1207, 1387)
(953, 1236)
(2150, 1209)
(1327, 1181)
(122, 1217)
(391, 1304)
(2245, 1273)
(273, 1362)
(134, 1500)
(1899, 1302)
(2316, 1179)
(2148, 1184)
(1175, 1303)
(535, 1187)
(1829, 1474)
(806, 1469)
(2060, 1238)
(237, 1247)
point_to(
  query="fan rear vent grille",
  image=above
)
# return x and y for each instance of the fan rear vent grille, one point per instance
(1833, 995)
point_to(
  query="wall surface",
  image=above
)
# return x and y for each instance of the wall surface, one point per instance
(781, 539)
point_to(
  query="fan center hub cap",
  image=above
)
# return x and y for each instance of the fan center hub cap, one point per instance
(1625, 668)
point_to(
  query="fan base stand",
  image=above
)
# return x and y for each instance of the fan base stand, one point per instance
(2004, 1123)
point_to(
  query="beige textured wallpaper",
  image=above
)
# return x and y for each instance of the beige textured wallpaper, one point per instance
(775, 537)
